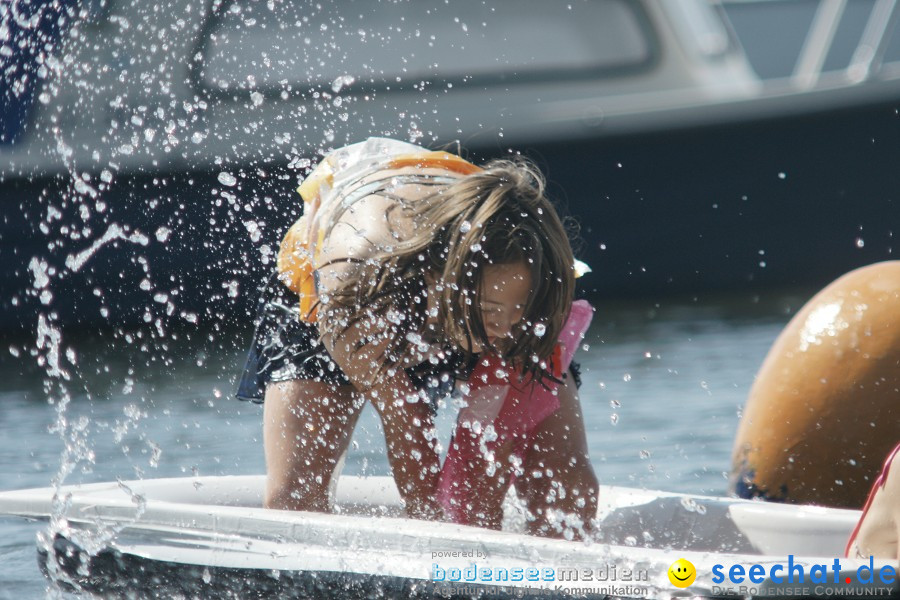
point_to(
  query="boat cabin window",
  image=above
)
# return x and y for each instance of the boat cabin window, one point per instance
(363, 46)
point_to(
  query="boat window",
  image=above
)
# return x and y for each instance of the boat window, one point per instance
(892, 50)
(807, 39)
(779, 30)
(400, 45)
(848, 33)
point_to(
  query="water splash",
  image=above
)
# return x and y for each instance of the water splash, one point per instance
(74, 262)
(84, 205)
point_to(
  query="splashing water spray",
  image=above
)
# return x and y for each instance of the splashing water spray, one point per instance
(58, 361)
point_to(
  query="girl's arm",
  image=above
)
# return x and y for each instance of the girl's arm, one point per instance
(360, 353)
(406, 418)
(411, 443)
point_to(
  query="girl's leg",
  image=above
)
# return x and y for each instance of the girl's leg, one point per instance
(558, 475)
(307, 427)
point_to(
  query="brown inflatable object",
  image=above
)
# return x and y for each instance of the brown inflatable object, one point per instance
(825, 408)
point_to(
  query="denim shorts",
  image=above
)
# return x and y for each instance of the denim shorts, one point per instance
(285, 348)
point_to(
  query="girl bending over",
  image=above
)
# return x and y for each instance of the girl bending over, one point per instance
(412, 272)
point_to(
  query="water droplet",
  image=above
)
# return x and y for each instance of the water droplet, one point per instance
(232, 288)
(465, 227)
(860, 242)
(254, 230)
(341, 82)
(540, 329)
(226, 178)
(155, 454)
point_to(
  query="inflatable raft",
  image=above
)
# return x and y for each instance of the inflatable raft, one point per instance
(209, 537)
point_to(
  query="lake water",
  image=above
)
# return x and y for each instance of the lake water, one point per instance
(663, 386)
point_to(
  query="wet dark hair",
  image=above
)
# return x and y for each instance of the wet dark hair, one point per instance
(497, 216)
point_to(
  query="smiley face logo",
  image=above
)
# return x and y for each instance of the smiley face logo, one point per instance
(682, 573)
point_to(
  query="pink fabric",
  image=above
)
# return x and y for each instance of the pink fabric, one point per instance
(512, 409)
(879, 483)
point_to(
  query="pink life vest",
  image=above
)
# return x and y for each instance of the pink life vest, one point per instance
(499, 409)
